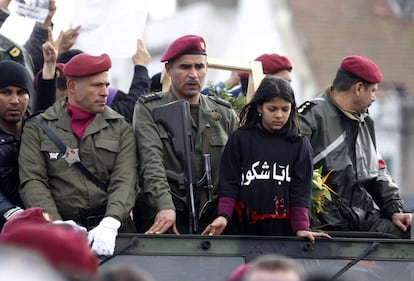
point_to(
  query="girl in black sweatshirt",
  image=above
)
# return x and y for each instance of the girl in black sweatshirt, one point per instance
(266, 169)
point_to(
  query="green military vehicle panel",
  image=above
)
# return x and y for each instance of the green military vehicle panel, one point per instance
(194, 257)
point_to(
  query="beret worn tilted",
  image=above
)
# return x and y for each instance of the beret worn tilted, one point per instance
(363, 68)
(271, 63)
(86, 65)
(188, 44)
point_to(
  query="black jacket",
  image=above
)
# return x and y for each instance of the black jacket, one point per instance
(9, 174)
(347, 147)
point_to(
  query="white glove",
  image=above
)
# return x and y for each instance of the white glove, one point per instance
(103, 236)
(71, 224)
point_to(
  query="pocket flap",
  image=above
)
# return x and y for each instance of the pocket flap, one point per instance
(108, 144)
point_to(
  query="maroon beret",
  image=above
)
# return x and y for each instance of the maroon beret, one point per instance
(64, 247)
(32, 215)
(188, 44)
(271, 63)
(363, 68)
(239, 273)
(85, 65)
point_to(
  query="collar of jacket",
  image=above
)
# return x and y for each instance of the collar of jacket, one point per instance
(351, 115)
(57, 112)
(209, 111)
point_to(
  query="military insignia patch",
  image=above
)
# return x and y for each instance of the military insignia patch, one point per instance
(305, 106)
(71, 156)
(14, 52)
(202, 45)
(53, 155)
(150, 97)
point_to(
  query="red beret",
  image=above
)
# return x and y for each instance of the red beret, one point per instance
(64, 247)
(188, 44)
(271, 63)
(363, 68)
(85, 65)
(239, 272)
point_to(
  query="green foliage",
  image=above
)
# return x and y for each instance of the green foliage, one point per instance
(236, 102)
(320, 192)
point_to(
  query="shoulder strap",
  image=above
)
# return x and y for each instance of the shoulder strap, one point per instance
(150, 97)
(63, 148)
(220, 101)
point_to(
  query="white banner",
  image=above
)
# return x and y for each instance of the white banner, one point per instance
(111, 27)
(34, 9)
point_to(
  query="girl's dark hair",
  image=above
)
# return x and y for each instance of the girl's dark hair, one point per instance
(271, 87)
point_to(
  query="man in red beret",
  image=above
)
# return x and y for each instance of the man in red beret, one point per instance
(343, 139)
(50, 82)
(272, 64)
(160, 210)
(90, 176)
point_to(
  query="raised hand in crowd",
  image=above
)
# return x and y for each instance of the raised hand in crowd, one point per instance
(48, 21)
(141, 56)
(50, 54)
(68, 39)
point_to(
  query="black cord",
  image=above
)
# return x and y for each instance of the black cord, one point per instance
(374, 246)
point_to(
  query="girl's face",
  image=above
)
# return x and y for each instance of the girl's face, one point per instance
(275, 113)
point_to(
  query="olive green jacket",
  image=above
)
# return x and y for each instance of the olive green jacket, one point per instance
(108, 150)
(156, 154)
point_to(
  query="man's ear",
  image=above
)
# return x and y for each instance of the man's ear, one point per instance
(70, 85)
(168, 68)
(357, 88)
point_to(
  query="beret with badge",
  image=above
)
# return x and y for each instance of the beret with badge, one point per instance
(362, 67)
(271, 63)
(62, 246)
(85, 64)
(185, 45)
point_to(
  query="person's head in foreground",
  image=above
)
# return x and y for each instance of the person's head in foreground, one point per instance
(274, 268)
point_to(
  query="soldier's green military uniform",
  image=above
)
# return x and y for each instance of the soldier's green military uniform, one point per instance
(156, 154)
(108, 150)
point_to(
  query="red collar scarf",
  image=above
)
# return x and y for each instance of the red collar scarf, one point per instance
(79, 119)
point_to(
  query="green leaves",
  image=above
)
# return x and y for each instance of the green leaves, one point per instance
(236, 102)
(320, 192)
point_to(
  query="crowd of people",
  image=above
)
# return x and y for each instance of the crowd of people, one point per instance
(80, 156)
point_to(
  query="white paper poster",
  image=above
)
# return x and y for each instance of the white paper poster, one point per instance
(111, 27)
(33, 9)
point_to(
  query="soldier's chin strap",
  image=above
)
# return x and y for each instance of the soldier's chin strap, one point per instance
(374, 246)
